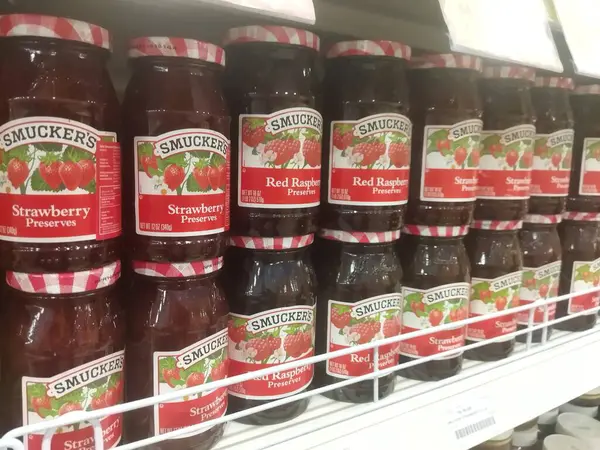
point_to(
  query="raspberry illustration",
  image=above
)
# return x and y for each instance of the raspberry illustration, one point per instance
(264, 347)
(194, 379)
(71, 175)
(171, 374)
(174, 176)
(512, 157)
(49, 173)
(219, 372)
(252, 136)
(283, 149)
(236, 334)
(399, 154)
(17, 171)
(366, 153)
(297, 344)
(312, 153)
(69, 407)
(340, 320)
(460, 155)
(341, 141)
(88, 172)
(391, 327)
(201, 177)
(366, 331)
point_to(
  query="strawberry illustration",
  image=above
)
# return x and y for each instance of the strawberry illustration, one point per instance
(171, 374)
(201, 177)
(485, 294)
(596, 280)
(366, 331)
(366, 153)
(420, 307)
(111, 397)
(88, 172)
(496, 149)
(529, 283)
(98, 402)
(264, 347)
(69, 407)
(512, 157)
(475, 157)
(340, 320)
(541, 151)
(453, 316)
(147, 162)
(219, 372)
(527, 160)
(435, 317)
(462, 313)
(312, 152)
(597, 154)
(17, 171)
(391, 327)
(500, 303)
(119, 389)
(399, 154)
(252, 136)
(39, 403)
(283, 149)
(556, 157)
(544, 290)
(194, 379)
(222, 175)
(49, 173)
(516, 300)
(567, 161)
(341, 141)
(460, 155)
(214, 178)
(71, 175)
(174, 176)
(443, 144)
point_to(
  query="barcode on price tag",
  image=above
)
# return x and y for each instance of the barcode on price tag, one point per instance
(474, 427)
(469, 416)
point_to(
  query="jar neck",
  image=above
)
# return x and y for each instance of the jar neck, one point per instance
(165, 64)
(540, 227)
(175, 280)
(269, 256)
(65, 50)
(551, 98)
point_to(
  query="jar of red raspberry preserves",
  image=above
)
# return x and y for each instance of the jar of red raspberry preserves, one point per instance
(65, 353)
(176, 129)
(271, 87)
(176, 339)
(360, 301)
(270, 285)
(367, 131)
(60, 174)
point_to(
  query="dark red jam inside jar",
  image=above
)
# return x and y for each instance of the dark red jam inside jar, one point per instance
(553, 145)
(58, 146)
(435, 290)
(507, 139)
(270, 285)
(271, 87)
(579, 236)
(359, 302)
(584, 189)
(176, 129)
(366, 169)
(446, 115)
(542, 255)
(176, 338)
(496, 273)
(66, 351)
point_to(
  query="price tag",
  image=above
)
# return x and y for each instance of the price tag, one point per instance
(579, 20)
(468, 417)
(296, 10)
(511, 30)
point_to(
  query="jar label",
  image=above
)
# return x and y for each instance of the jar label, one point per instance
(268, 339)
(552, 164)
(539, 283)
(351, 324)
(429, 308)
(489, 296)
(585, 276)
(60, 181)
(181, 182)
(450, 162)
(94, 385)
(200, 363)
(589, 180)
(280, 159)
(505, 164)
(369, 161)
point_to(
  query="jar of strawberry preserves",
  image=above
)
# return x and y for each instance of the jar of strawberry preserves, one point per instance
(271, 87)
(360, 301)
(66, 353)
(60, 174)
(176, 339)
(446, 114)
(367, 131)
(270, 285)
(176, 132)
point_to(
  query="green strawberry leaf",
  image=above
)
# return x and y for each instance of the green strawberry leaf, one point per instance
(38, 183)
(91, 187)
(76, 154)
(145, 149)
(21, 152)
(49, 147)
(192, 185)
(178, 159)
(217, 160)
(436, 136)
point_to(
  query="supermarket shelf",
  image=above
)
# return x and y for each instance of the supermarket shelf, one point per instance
(511, 391)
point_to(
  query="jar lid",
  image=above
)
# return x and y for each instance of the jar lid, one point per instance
(274, 34)
(508, 71)
(525, 438)
(555, 82)
(178, 270)
(271, 243)
(446, 60)
(579, 426)
(594, 393)
(66, 282)
(500, 225)
(587, 217)
(360, 237)
(587, 89)
(589, 411)
(37, 25)
(176, 47)
(502, 437)
(543, 219)
(439, 231)
(549, 417)
(374, 48)
(560, 442)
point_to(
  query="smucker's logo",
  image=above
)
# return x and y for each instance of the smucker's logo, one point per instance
(448, 292)
(465, 128)
(548, 270)
(383, 123)
(292, 118)
(279, 318)
(512, 279)
(518, 133)
(186, 140)
(202, 349)
(562, 137)
(376, 305)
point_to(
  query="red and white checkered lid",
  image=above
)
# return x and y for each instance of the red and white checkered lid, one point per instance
(587, 89)
(274, 34)
(272, 243)
(447, 60)
(435, 231)
(499, 225)
(178, 270)
(65, 283)
(13, 25)
(555, 82)
(544, 219)
(176, 47)
(583, 216)
(371, 48)
(508, 71)
(358, 237)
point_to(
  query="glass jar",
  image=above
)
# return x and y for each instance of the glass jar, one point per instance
(176, 129)
(579, 234)
(55, 87)
(561, 442)
(547, 423)
(365, 172)
(435, 291)
(542, 261)
(270, 284)
(553, 145)
(496, 274)
(66, 352)
(446, 115)
(507, 138)
(271, 87)
(579, 426)
(359, 278)
(176, 338)
(589, 399)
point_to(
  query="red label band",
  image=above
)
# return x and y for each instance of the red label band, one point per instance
(552, 164)
(449, 185)
(361, 363)
(503, 184)
(368, 187)
(589, 181)
(432, 344)
(553, 183)
(538, 314)
(180, 414)
(584, 302)
(492, 328)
